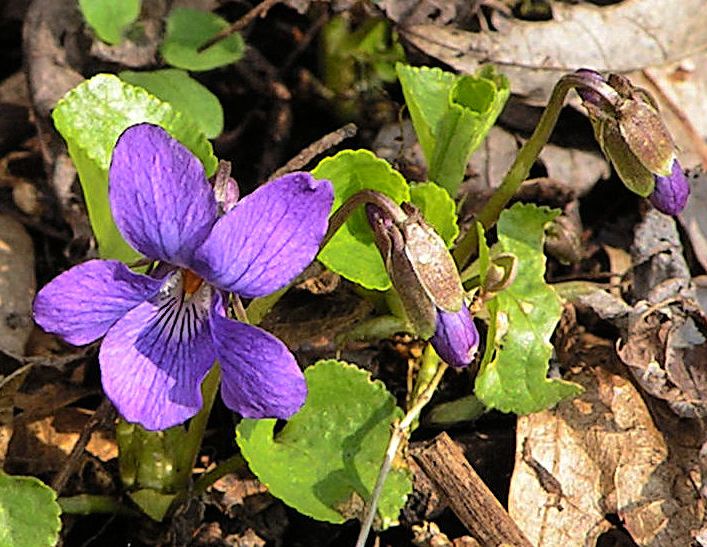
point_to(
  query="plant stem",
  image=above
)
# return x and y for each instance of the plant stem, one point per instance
(400, 433)
(520, 169)
(87, 504)
(337, 220)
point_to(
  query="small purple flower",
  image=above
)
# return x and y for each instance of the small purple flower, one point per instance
(670, 193)
(163, 332)
(456, 338)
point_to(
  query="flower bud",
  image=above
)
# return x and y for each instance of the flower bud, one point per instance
(419, 264)
(629, 129)
(456, 338)
(670, 193)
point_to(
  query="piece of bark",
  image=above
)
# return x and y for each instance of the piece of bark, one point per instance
(467, 495)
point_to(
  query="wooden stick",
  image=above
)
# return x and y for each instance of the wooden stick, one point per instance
(470, 499)
(258, 11)
(317, 147)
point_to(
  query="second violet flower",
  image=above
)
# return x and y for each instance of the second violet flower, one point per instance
(163, 332)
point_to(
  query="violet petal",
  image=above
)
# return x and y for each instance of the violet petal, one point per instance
(670, 193)
(259, 376)
(160, 197)
(154, 359)
(456, 338)
(268, 238)
(81, 304)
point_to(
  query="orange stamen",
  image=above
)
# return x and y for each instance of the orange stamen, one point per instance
(191, 282)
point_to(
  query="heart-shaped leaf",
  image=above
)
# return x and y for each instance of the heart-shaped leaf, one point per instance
(326, 459)
(29, 513)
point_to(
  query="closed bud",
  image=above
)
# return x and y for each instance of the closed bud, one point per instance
(419, 264)
(629, 129)
(456, 338)
(671, 192)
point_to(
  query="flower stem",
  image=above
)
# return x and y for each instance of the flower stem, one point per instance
(361, 198)
(88, 504)
(401, 432)
(521, 166)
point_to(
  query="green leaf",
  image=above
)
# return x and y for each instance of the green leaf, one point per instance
(29, 513)
(188, 30)
(184, 93)
(91, 117)
(109, 18)
(426, 91)
(452, 115)
(474, 104)
(438, 208)
(326, 459)
(513, 374)
(352, 252)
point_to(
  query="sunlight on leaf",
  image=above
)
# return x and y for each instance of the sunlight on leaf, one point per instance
(452, 115)
(184, 93)
(513, 374)
(352, 252)
(325, 461)
(29, 513)
(91, 117)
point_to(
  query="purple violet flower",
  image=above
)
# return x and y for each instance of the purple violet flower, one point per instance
(163, 333)
(670, 193)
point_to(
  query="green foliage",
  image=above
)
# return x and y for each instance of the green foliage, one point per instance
(109, 18)
(438, 208)
(91, 117)
(184, 93)
(188, 30)
(358, 60)
(29, 513)
(325, 461)
(352, 252)
(513, 374)
(452, 115)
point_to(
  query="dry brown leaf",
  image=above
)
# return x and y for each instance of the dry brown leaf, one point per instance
(43, 445)
(602, 454)
(627, 36)
(664, 343)
(578, 169)
(17, 285)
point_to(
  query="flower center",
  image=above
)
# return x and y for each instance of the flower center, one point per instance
(190, 282)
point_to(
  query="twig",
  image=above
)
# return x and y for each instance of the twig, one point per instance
(400, 432)
(470, 499)
(258, 11)
(311, 33)
(317, 147)
(103, 413)
(692, 132)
